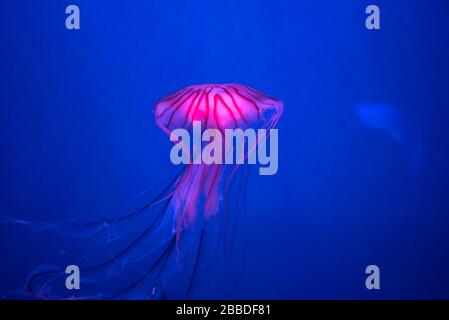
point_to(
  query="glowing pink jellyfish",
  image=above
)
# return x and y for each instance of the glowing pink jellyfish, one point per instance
(215, 106)
(176, 251)
(201, 197)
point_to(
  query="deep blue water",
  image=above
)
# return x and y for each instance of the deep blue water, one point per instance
(363, 161)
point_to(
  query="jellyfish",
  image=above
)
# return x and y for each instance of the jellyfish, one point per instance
(189, 236)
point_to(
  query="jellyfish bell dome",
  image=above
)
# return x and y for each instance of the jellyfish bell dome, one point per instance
(217, 106)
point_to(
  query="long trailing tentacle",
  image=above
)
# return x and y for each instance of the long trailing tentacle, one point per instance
(151, 246)
(76, 224)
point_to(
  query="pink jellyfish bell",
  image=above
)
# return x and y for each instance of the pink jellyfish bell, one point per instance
(201, 187)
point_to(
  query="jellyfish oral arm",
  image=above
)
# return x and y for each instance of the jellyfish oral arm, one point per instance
(215, 146)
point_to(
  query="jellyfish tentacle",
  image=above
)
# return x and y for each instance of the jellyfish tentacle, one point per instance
(75, 223)
(195, 267)
(162, 258)
(159, 198)
(52, 273)
(132, 244)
